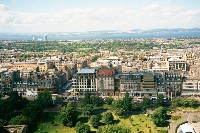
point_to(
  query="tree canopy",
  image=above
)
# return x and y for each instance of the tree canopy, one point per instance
(69, 115)
(95, 120)
(107, 118)
(82, 128)
(113, 129)
(160, 116)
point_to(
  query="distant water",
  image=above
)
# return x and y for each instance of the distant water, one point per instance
(92, 36)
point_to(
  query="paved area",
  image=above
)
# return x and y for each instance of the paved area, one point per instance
(185, 117)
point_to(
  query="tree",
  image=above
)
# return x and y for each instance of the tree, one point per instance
(113, 129)
(109, 100)
(160, 116)
(95, 120)
(160, 100)
(82, 128)
(3, 122)
(45, 98)
(15, 100)
(185, 102)
(95, 100)
(94, 58)
(107, 118)
(117, 107)
(33, 112)
(126, 103)
(146, 103)
(121, 106)
(88, 110)
(119, 112)
(18, 120)
(69, 115)
(87, 98)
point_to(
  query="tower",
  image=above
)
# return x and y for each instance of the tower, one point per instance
(45, 38)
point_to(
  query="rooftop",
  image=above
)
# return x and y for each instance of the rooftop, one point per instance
(86, 70)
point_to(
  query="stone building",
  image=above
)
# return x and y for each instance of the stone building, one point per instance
(105, 81)
(130, 82)
(173, 83)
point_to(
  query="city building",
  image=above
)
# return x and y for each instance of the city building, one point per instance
(173, 83)
(191, 87)
(177, 64)
(85, 80)
(148, 85)
(105, 81)
(130, 82)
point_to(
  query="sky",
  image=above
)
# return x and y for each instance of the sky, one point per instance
(28, 16)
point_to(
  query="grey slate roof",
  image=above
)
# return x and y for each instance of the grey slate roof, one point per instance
(86, 70)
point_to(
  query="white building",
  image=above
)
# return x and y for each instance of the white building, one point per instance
(85, 80)
(177, 64)
(191, 87)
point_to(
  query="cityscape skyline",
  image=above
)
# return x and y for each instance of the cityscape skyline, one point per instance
(67, 16)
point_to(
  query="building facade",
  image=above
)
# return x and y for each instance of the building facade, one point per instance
(105, 81)
(85, 80)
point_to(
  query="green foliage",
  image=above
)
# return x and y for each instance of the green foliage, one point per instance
(18, 120)
(126, 102)
(33, 112)
(160, 100)
(107, 118)
(109, 100)
(94, 58)
(113, 129)
(95, 120)
(185, 102)
(117, 107)
(119, 112)
(25, 56)
(10, 107)
(88, 110)
(163, 131)
(82, 128)
(3, 122)
(160, 116)
(123, 106)
(16, 101)
(86, 99)
(96, 100)
(69, 115)
(45, 98)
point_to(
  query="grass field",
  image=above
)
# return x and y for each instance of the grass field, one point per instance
(136, 123)
(56, 127)
(139, 123)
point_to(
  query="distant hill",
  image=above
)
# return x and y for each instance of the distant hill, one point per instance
(107, 34)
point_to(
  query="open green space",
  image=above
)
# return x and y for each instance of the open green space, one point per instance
(141, 122)
(53, 124)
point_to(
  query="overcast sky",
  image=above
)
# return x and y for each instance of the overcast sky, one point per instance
(93, 15)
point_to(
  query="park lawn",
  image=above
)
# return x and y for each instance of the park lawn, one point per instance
(57, 127)
(136, 123)
(139, 123)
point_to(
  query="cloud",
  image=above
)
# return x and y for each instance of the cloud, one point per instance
(13, 1)
(155, 15)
